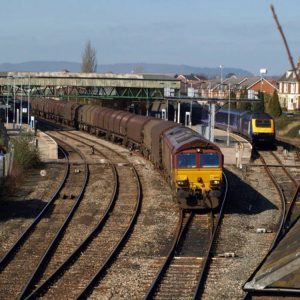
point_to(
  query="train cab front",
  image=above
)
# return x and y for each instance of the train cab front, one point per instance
(198, 178)
(263, 131)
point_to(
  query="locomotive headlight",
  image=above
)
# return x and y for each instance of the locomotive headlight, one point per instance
(182, 182)
(215, 182)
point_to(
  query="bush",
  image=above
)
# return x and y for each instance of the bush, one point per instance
(26, 154)
(3, 138)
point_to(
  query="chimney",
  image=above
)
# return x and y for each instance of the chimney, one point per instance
(298, 64)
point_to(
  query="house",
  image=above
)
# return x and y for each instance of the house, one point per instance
(192, 81)
(289, 89)
(260, 84)
(238, 85)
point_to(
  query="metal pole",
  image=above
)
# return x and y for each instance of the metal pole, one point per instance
(167, 110)
(21, 106)
(7, 103)
(191, 110)
(228, 124)
(212, 122)
(14, 114)
(178, 112)
(209, 122)
(28, 102)
(221, 67)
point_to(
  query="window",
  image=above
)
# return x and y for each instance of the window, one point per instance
(263, 123)
(209, 160)
(186, 160)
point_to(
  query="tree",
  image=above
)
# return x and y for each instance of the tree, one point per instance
(258, 106)
(243, 105)
(89, 60)
(274, 108)
(233, 97)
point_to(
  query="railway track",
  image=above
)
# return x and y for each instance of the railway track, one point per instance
(184, 271)
(82, 269)
(28, 255)
(248, 229)
(21, 205)
(281, 173)
(287, 187)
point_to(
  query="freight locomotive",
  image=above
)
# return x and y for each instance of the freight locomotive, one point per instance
(191, 164)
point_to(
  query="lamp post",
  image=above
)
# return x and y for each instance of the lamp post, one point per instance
(221, 69)
(8, 88)
(14, 114)
(21, 106)
(221, 79)
(228, 120)
(28, 101)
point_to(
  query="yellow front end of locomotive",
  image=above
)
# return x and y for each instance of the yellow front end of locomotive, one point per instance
(263, 126)
(198, 180)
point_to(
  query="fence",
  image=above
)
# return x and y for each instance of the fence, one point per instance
(6, 161)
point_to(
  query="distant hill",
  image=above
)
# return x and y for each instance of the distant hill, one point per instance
(40, 66)
(54, 66)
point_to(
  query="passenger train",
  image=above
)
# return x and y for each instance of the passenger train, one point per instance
(258, 127)
(191, 164)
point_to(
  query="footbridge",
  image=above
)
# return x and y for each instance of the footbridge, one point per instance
(88, 85)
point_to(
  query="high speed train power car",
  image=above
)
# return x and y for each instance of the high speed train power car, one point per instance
(258, 127)
(191, 164)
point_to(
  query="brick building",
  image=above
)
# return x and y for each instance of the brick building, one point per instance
(289, 89)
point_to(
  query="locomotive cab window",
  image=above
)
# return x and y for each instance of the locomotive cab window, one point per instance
(209, 160)
(262, 123)
(186, 160)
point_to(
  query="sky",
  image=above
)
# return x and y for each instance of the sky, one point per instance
(231, 33)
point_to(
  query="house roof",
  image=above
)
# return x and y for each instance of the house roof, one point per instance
(189, 77)
(270, 82)
(290, 76)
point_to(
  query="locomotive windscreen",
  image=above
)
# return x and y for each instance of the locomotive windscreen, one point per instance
(263, 123)
(209, 160)
(186, 160)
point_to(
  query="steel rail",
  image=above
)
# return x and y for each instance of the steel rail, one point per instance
(281, 225)
(290, 208)
(11, 252)
(285, 221)
(118, 247)
(178, 233)
(285, 169)
(283, 202)
(201, 280)
(82, 247)
(53, 245)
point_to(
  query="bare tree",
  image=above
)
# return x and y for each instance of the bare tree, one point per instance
(89, 60)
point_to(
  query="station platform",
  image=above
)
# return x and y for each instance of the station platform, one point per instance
(46, 145)
(236, 149)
